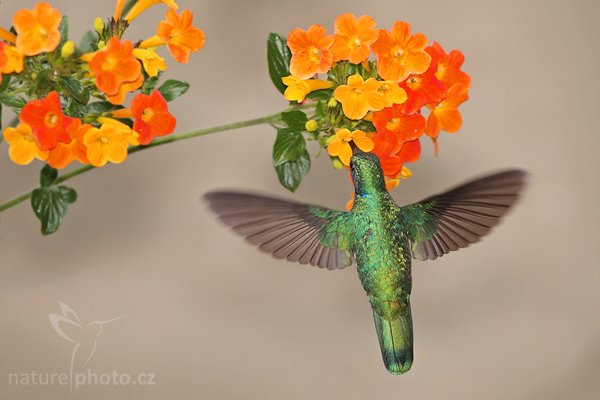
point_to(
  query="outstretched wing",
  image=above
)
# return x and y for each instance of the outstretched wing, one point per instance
(293, 231)
(461, 216)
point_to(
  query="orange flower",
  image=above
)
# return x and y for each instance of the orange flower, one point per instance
(119, 4)
(107, 144)
(311, 51)
(7, 36)
(64, 153)
(423, 89)
(448, 68)
(400, 54)
(151, 116)
(394, 154)
(37, 29)
(178, 34)
(393, 121)
(359, 96)
(47, 121)
(115, 66)
(353, 38)
(22, 147)
(340, 144)
(141, 5)
(3, 58)
(297, 89)
(445, 115)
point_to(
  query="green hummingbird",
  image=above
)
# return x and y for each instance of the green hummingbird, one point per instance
(377, 235)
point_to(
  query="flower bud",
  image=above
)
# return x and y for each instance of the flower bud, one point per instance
(311, 125)
(99, 25)
(332, 103)
(67, 49)
(337, 164)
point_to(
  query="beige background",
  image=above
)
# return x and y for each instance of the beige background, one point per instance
(513, 317)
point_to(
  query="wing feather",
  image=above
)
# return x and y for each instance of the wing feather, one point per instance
(461, 216)
(287, 230)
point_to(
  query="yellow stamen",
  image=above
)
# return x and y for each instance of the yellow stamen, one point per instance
(50, 120)
(147, 114)
(398, 53)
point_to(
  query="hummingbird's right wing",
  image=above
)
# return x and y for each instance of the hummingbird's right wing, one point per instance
(460, 216)
(297, 232)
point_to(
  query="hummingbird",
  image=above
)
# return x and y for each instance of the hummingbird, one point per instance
(378, 236)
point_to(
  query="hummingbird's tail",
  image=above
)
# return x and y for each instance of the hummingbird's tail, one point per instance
(396, 341)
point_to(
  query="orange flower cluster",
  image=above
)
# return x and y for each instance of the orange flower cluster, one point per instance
(56, 125)
(408, 89)
(47, 134)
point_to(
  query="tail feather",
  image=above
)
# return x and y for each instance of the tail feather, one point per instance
(396, 341)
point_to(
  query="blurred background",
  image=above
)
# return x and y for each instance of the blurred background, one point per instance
(514, 316)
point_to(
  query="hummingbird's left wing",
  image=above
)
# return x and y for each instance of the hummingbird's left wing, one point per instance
(297, 232)
(461, 216)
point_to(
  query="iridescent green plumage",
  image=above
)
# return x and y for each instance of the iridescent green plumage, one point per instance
(378, 235)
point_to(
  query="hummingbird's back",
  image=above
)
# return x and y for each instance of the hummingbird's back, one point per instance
(383, 258)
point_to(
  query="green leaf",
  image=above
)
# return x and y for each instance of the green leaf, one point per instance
(88, 41)
(322, 94)
(14, 102)
(149, 85)
(50, 205)
(5, 82)
(172, 89)
(321, 112)
(63, 29)
(291, 173)
(278, 58)
(75, 89)
(75, 109)
(289, 146)
(50, 202)
(99, 107)
(295, 120)
(48, 175)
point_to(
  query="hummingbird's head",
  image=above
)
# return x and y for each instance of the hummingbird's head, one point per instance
(366, 173)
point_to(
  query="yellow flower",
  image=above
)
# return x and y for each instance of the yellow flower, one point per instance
(392, 92)
(23, 148)
(340, 144)
(14, 60)
(125, 130)
(297, 89)
(107, 144)
(359, 97)
(151, 60)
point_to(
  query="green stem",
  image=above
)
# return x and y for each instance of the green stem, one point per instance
(269, 119)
